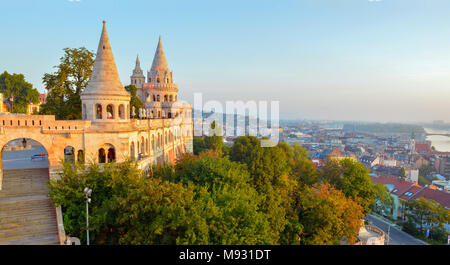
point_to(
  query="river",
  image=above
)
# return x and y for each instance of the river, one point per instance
(441, 143)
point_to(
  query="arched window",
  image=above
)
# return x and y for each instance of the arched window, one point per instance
(142, 145)
(132, 153)
(146, 146)
(159, 114)
(157, 80)
(158, 98)
(98, 111)
(101, 155)
(69, 154)
(154, 98)
(153, 143)
(122, 111)
(111, 155)
(110, 112)
(169, 115)
(165, 98)
(171, 98)
(81, 156)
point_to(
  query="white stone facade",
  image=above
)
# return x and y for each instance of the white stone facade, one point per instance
(106, 132)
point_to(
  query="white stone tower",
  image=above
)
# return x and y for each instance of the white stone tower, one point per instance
(138, 78)
(105, 100)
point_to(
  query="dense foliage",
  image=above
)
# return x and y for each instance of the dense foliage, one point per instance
(22, 93)
(67, 83)
(246, 195)
(425, 214)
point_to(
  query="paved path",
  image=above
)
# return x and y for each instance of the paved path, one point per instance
(397, 237)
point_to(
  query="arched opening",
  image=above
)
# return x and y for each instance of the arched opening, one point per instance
(171, 98)
(142, 146)
(153, 143)
(24, 173)
(132, 152)
(106, 153)
(80, 156)
(165, 98)
(98, 112)
(69, 154)
(110, 112)
(101, 156)
(158, 98)
(122, 111)
(111, 155)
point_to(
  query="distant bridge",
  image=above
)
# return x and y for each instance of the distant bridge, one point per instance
(441, 134)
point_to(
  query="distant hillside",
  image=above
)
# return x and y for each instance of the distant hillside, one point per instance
(384, 128)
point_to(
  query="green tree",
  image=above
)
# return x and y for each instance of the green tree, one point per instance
(199, 145)
(352, 178)
(403, 174)
(384, 203)
(67, 83)
(135, 101)
(14, 86)
(426, 212)
(224, 197)
(328, 216)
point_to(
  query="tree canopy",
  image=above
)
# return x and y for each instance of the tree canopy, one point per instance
(253, 195)
(67, 83)
(16, 87)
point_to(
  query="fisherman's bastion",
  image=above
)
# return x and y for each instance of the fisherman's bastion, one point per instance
(161, 132)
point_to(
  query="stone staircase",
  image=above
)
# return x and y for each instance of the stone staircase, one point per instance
(27, 217)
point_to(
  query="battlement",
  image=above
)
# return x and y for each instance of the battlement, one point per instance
(46, 122)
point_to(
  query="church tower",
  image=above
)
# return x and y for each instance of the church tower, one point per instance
(138, 78)
(160, 78)
(105, 100)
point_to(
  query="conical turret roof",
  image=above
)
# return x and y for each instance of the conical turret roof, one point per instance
(105, 78)
(137, 69)
(160, 61)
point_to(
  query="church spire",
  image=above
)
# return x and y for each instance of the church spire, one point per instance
(137, 68)
(105, 77)
(159, 61)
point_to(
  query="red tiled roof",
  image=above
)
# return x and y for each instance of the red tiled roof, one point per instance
(413, 190)
(422, 148)
(441, 197)
(402, 187)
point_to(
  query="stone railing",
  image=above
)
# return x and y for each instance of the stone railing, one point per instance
(377, 240)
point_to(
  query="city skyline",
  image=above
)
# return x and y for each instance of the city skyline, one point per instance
(385, 61)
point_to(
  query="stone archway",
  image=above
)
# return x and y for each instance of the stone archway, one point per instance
(22, 154)
(29, 217)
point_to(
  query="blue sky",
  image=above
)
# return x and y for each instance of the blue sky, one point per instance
(322, 59)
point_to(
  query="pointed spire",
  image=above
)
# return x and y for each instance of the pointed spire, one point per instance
(160, 62)
(105, 77)
(138, 63)
(137, 68)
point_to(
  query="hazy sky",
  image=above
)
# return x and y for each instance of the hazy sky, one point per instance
(385, 60)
